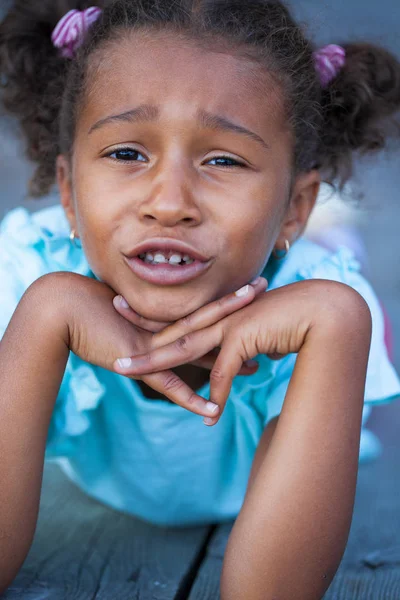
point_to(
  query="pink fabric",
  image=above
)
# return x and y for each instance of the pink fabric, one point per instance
(329, 60)
(71, 30)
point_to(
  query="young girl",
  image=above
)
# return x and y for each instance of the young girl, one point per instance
(193, 133)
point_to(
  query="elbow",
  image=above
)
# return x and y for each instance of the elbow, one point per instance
(356, 318)
(345, 311)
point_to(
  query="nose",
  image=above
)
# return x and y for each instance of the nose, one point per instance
(171, 201)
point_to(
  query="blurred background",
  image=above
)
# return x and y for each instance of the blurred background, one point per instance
(372, 206)
(369, 218)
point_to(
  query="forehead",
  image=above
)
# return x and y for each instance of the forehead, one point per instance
(180, 76)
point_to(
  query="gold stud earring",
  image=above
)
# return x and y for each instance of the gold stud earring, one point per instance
(73, 238)
(285, 251)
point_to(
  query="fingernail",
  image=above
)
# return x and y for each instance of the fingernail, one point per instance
(255, 281)
(122, 302)
(124, 363)
(243, 291)
(212, 408)
(208, 421)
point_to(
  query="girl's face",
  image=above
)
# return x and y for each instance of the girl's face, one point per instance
(181, 143)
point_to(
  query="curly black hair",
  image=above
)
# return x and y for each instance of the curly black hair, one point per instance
(355, 113)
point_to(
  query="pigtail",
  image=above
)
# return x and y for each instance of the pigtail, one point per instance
(359, 109)
(32, 80)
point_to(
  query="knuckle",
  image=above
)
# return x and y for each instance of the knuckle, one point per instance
(187, 322)
(147, 359)
(224, 306)
(222, 302)
(182, 343)
(172, 383)
(217, 375)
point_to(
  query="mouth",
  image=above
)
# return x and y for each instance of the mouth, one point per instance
(167, 262)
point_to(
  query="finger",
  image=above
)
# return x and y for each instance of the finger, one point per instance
(225, 369)
(249, 367)
(123, 308)
(183, 350)
(172, 386)
(210, 314)
(208, 360)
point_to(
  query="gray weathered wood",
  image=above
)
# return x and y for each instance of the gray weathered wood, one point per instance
(83, 550)
(370, 569)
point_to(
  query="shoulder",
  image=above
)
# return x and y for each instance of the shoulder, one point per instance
(308, 260)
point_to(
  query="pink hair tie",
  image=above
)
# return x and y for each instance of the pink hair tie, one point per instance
(328, 61)
(71, 30)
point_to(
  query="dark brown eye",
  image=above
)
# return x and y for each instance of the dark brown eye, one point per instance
(232, 161)
(125, 154)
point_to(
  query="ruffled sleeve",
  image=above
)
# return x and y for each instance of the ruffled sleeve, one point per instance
(80, 393)
(32, 245)
(19, 265)
(11, 290)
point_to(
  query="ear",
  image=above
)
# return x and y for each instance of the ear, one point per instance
(303, 197)
(63, 172)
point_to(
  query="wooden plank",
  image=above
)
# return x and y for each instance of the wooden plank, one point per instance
(206, 586)
(376, 520)
(364, 585)
(370, 569)
(84, 550)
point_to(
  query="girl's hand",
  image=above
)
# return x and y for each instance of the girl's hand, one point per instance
(276, 324)
(98, 334)
(199, 319)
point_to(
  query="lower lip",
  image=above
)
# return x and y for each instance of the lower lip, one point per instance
(165, 274)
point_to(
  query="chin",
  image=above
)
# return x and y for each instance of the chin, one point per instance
(163, 315)
(164, 308)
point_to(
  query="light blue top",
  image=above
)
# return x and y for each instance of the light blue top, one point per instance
(155, 459)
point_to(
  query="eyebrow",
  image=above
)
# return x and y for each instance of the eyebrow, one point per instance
(147, 113)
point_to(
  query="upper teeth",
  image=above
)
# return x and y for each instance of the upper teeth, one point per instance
(159, 257)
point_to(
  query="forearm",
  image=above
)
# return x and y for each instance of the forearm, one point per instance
(33, 355)
(291, 533)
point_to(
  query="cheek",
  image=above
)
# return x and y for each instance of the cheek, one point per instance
(252, 233)
(96, 231)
